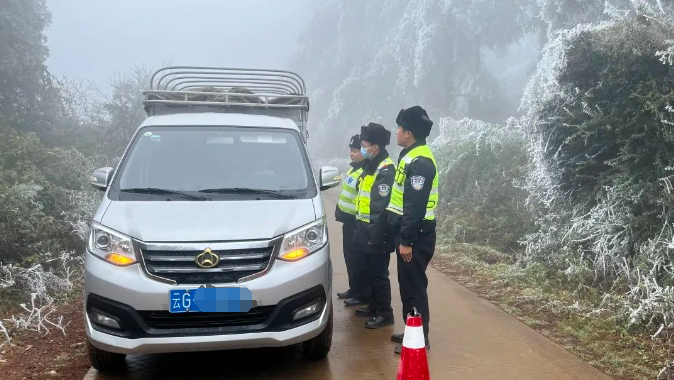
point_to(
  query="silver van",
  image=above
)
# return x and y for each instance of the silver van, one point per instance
(211, 233)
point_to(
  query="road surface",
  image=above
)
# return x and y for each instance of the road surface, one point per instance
(471, 339)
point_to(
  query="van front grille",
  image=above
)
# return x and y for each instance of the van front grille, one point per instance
(181, 267)
(166, 320)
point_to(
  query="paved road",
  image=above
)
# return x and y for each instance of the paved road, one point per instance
(471, 338)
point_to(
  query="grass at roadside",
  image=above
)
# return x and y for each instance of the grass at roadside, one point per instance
(571, 315)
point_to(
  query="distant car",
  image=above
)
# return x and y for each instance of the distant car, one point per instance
(212, 232)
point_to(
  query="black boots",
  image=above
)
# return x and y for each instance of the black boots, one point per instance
(380, 321)
(397, 338)
(345, 295)
(355, 301)
(399, 348)
(366, 312)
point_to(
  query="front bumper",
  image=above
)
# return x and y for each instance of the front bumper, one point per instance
(159, 344)
(133, 289)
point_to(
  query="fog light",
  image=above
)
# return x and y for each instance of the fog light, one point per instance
(307, 311)
(104, 320)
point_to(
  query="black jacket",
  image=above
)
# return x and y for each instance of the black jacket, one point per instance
(412, 222)
(376, 237)
(340, 215)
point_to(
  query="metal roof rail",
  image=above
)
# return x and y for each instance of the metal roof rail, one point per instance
(180, 89)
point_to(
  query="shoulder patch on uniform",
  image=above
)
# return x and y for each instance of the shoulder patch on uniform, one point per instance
(350, 180)
(417, 182)
(384, 189)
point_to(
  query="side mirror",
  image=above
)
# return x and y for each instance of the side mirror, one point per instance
(330, 177)
(100, 179)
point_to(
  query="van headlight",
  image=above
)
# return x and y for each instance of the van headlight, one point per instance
(304, 241)
(111, 246)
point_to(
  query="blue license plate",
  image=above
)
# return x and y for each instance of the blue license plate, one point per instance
(227, 300)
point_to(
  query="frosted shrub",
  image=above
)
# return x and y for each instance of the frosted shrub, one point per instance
(40, 287)
(478, 163)
(598, 123)
(46, 277)
(594, 179)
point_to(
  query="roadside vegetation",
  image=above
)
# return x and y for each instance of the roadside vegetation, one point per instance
(567, 205)
(570, 208)
(53, 134)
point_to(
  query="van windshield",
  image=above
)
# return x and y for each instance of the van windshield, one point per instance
(205, 163)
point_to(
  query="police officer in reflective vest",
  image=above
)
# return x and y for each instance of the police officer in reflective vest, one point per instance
(372, 238)
(411, 213)
(345, 212)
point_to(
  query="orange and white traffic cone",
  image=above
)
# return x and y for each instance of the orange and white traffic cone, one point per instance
(413, 360)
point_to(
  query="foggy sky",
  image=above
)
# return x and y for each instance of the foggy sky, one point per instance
(93, 39)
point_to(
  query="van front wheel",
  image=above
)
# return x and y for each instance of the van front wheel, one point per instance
(318, 347)
(105, 361)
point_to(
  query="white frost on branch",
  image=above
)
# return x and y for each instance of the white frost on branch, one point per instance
(667, 56)
(37, 317)
(614, 13)
(41, 286)
(5, 334)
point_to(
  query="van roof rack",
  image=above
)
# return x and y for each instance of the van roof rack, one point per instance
(181, 89)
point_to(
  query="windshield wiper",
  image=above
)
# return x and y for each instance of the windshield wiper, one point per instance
(245, 190)
(156, 190)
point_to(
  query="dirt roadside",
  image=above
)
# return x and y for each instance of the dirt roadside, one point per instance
(54, 356)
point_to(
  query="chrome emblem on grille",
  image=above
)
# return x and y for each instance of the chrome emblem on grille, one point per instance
(207, 259)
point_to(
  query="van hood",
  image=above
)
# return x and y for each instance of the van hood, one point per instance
(208, 221)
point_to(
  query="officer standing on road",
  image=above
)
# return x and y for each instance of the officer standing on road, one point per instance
(411, 213)
(345, 212)
(372, 238)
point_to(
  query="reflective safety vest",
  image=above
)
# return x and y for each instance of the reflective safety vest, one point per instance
(347, 198)
(398, 192)
(365, 190)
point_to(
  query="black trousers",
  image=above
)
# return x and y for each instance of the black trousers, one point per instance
(380, 284)
(412, 277)
(359, 276)
(347, 246)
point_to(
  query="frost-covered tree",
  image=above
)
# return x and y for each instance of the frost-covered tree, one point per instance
(119, 114)
(366, 60)
(595, 141)
(41, 174)
(45, 201)
(567, 14)
(30, 99)
(23, 74)
(601, 148)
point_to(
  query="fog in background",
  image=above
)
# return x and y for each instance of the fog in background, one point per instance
(553, 137)
(92, 40)
(360, 65)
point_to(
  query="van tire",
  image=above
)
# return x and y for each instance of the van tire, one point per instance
(105, 361)
(318, 348)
